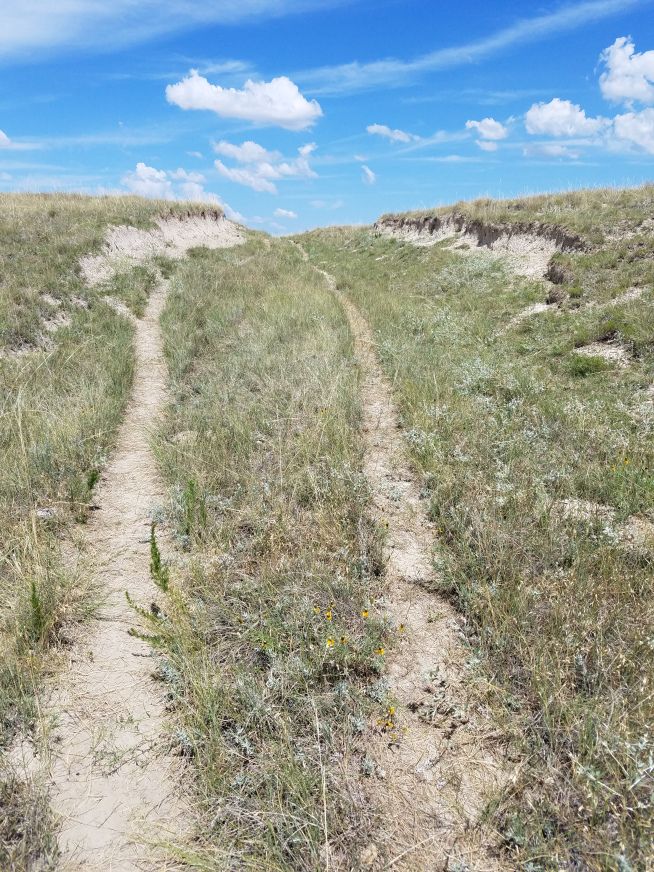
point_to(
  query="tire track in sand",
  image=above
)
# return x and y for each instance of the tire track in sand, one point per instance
(447, 766)
(112, 780)
(115, 785)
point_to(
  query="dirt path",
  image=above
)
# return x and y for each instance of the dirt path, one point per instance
(112, 779)
(446, 766)
(114, 784)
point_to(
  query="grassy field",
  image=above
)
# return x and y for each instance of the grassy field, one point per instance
(66, 366)
(538, 462)
(273, 647)
(531, 432)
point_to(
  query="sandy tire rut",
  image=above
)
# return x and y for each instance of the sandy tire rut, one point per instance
(114, 784)
(435, 783)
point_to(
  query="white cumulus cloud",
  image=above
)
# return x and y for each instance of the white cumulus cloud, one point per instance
(486, 145)
(284, 213)
(628, 74)
(147, 181)
(259, 168)
(394, 135)
(561, 118)
(278, 102)
(636, 128)
(369, 178)
(488, 128)
(247, 152)
(5, 142)
(258, 179)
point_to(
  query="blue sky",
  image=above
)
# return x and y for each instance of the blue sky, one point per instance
(298, 113)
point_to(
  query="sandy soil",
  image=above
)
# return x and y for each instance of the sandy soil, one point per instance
(446, 764)
(172, 237)
(114, 783)
(612, 352)
(113, 780)
(527, 254)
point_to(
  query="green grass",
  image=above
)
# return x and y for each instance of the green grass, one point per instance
(133, 287)
(270, 665)
(272, 671)
(62, 394)
(504, 424)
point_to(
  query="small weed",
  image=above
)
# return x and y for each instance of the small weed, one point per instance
(37, 623)
(158, 569)
(581, 366)
(194, 509)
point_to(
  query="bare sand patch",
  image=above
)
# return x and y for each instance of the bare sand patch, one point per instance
(172, 237)
(612, 352)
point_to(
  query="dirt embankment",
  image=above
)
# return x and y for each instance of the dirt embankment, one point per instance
(530, 245)
(172, 237)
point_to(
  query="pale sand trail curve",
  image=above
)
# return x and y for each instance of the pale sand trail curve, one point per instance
(448, 764)
(114, 784)
(113, 780)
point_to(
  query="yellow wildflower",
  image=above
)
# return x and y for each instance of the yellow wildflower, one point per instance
(330, 643)
(328, 615)
(364, 613)
(380, 651)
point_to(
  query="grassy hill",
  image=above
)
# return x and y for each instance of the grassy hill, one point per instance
(526, 405)
(528, 410)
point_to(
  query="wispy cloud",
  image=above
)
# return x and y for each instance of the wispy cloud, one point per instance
(7, 144)
(33, 27)
(394, 135)
(550, 150)
(368, 176)
(355, 76)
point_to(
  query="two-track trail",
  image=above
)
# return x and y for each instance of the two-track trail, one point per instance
(439, 777)
(113, 784)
